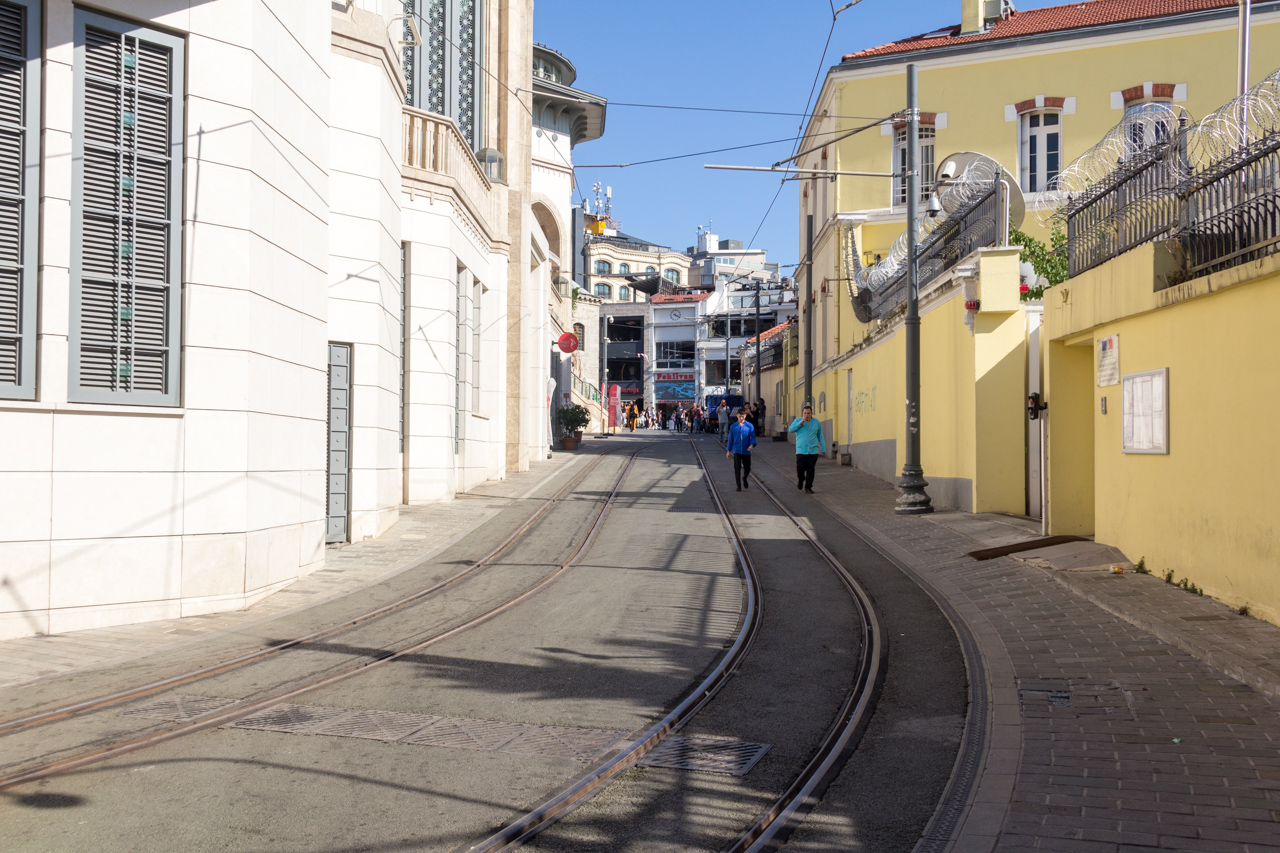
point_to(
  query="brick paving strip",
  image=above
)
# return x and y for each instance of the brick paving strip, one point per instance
(1102, 736)
(419, 534)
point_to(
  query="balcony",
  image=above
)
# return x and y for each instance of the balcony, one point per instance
(436, 159)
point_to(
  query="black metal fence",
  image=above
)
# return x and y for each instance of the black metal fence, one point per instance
(971, 228)
(1232, 213)
(1136, 204)
(1223, 216)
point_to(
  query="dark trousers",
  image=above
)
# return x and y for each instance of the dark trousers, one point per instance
(741, 467)
(806, 464)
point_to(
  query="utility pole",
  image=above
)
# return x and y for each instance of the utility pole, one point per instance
(1242, 79)
(913, 499)
(808, 303)
(759, 386)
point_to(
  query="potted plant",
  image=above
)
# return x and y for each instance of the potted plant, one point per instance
(572, 420)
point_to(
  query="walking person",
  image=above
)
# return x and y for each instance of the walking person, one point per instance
(742, 437)
(722, 419)
(810, 443)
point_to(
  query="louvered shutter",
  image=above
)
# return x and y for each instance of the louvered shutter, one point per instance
(127, 212)
(19, 123)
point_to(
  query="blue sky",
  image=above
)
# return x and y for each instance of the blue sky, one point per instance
(732, 54)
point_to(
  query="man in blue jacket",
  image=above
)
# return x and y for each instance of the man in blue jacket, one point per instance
(810, 442)
(742, 437)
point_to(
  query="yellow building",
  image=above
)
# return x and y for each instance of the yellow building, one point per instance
(1033, 90)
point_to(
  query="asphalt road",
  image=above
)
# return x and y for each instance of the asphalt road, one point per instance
(609, 648)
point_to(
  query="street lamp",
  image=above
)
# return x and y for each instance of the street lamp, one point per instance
(913, 500)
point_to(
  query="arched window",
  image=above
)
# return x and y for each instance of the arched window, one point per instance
(624, 293)
(580, 332)
(603, 267)
(603, 290)
(672, 276)
(649, 269)
(624, 268)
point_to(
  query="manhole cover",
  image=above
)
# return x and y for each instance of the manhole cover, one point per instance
(712, 755)
(293, 719)
(180, 708)
(460, 733)
(565, 741)
(375, 725)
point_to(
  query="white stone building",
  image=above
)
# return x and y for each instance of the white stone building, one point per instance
(269, 273)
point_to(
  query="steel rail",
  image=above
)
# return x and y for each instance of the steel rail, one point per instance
(246, 708)
(838, 743)
(557, 806)
(64, 711)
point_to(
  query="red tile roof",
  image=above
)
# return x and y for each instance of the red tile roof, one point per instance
(770, 333)
(660, 298)
(1089, 13)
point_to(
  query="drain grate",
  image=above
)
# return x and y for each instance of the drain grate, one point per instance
(180, 709)
(711, 755)
(563, 741)
(462, 733)
(375, 725)
(291, 719)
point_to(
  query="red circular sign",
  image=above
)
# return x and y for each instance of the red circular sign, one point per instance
(568, 342)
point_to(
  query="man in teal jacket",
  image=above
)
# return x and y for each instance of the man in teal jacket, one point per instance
(810, 442)
(742, 437)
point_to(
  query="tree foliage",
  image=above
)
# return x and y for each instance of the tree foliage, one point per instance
(1048, 262)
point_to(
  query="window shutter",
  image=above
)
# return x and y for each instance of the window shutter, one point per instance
(126, 269)
(19, 148)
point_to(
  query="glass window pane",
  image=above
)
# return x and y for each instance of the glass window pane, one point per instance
(1035, 120)
(1050, 119)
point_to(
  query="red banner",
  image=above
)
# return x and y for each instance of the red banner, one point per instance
(615, 406)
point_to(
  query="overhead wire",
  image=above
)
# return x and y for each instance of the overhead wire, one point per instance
(698, 153)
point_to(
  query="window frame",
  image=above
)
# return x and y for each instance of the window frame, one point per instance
(77, 393)
(29, 193)
(1031, 177)
(624, 293)
(623, 269)
(603, 290)
(671, 275)
(928, 138)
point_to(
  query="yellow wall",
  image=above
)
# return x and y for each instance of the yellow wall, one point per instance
(972, 386)
(1205, 509)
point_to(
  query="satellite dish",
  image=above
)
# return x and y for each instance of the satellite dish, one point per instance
(953, 167)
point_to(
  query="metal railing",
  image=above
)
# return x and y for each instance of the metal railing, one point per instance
(1231, 214)
(1223, 216)
(585, 389)
(971, 228)
(1135, 204)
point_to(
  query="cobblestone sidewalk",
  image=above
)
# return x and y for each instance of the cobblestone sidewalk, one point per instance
(420, 533)
(1101, 736)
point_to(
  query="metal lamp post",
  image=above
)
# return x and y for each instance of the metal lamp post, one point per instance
(913, 500)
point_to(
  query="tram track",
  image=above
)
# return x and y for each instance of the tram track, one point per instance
(64, 711)
(246, 708)
(806, 788)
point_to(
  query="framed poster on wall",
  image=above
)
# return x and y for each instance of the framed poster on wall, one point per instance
(1145, 407)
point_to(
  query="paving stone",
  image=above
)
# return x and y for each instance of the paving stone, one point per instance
(1147, 742)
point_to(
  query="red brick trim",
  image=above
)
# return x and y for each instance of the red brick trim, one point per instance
(1050, 103)
(1162, 90)
(925, 118)
(1133, 93)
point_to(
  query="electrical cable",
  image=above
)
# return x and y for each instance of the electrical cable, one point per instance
(698, 153)
(726, 110)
